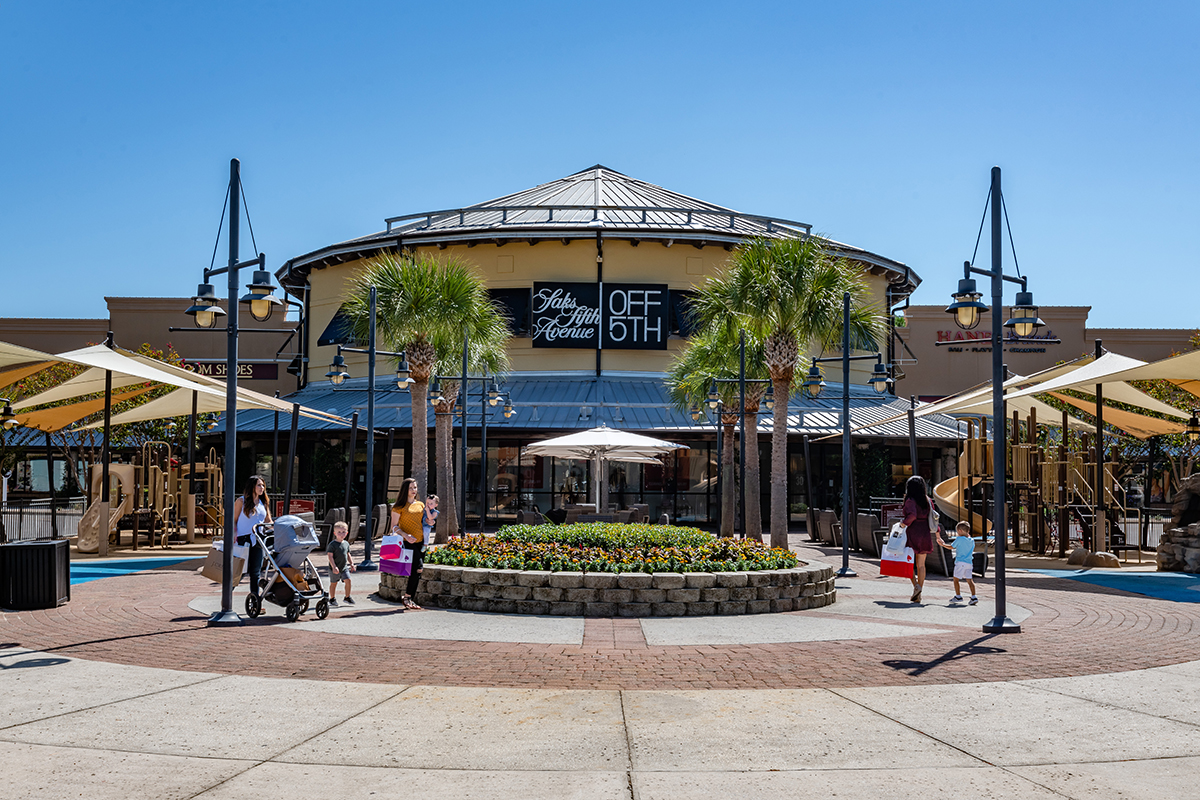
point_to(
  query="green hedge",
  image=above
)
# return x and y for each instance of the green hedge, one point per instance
(607, 547)
(607, 535)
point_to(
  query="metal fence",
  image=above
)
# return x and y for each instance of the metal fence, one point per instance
(34, 520)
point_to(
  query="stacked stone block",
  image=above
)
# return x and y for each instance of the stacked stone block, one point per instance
(626, 594)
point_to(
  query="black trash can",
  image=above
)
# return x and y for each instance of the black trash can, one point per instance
(35, 574)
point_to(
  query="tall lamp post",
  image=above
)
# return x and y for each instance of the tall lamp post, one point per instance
(812, 385)
(966, 309)
(337, 375)
(205, 311)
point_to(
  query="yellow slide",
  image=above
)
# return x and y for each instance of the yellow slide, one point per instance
(945, 494)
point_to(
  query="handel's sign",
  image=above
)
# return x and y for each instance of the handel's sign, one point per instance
(627, 316)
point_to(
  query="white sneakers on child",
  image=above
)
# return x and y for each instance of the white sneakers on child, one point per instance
(974, 601)
(958, 598)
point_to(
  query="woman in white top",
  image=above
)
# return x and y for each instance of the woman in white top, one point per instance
(249, 510)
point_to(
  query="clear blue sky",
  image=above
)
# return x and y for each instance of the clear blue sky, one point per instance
(875, 122)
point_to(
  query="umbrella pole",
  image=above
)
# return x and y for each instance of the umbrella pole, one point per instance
(189, 505)
(105, 455)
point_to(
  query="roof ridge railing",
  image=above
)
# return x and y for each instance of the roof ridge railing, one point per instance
(504, 211)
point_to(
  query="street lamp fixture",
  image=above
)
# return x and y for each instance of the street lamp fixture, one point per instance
(880, 380)
(769, 398)
(1193, 425)
(695, 412)
(508, 407)
(813, 384)
(966, 307)
(493, 394)
(261, 299)
(403, 381)
(713, 398)
(205, 307)
(337, 371)
(435, 392)
(1024, 320)
(7, 418)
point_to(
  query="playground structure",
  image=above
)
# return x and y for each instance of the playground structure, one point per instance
(1050, 488)
(154, 495)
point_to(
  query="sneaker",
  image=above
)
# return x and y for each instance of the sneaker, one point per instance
(974, 601)
(333, 602)
(349, 601)
(916, 598)
(958, 598)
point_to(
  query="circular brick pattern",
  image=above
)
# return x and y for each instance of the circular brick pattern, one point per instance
(1075, 629)
(626, 594)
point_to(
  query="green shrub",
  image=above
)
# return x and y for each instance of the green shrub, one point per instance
(607, 535)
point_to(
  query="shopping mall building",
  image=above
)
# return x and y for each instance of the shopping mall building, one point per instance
(594, 271)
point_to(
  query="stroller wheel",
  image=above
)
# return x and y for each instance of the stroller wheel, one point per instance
(322, 609)
(304, 606)
(293, 611)
(253, 606)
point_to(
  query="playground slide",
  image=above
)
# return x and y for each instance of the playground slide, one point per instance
(945, 494)
(89, 525)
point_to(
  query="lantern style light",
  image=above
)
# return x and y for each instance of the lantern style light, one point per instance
(261, 299)
(1024, 320)
(508, 407)
(205, 306)
(769, 399)
(7, 418)
(402, 374)
(695, 412)
(879, 378)
(813, 384)
(493, 394)
(1193, 427)
(337, 371)
(435, 392)
(966, 307)
(713, 398)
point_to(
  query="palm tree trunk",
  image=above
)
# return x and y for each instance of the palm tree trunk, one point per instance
(447, 523)
(779, 434)
(752, 491)
(420, 435)
(728, 487)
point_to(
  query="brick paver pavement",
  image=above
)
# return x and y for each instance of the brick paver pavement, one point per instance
(1075, 629)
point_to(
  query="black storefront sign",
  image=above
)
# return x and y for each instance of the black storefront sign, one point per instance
(635, 315)
(566, 315)
(251, 372)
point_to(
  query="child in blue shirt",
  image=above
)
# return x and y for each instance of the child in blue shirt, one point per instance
(964, 558)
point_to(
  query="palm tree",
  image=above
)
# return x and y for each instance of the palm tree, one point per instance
(711, 353)
(788, 294)
(425, 307)
(486, 355)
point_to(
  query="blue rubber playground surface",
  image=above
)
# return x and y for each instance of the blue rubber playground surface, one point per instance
(1175, 586)
(84, 571)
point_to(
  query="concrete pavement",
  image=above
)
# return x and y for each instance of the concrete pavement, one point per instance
(80, 728)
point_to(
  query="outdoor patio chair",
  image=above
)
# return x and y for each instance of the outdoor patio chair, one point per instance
(826, 521)
(353, 522)
(868, 542)
(641, 512)
(530, 518)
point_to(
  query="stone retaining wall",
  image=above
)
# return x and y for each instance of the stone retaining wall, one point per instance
(627, 594)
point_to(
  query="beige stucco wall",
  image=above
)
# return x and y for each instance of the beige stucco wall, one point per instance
(947, 369)
(519, 265)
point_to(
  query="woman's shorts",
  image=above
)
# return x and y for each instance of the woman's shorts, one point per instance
(962, 570)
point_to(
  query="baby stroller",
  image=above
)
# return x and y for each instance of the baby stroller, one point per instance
(289, 579)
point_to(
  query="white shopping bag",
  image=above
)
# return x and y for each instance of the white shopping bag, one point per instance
(897, 540)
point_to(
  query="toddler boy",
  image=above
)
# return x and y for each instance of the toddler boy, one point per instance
(429, 518)
(964, 561)
(340, 563)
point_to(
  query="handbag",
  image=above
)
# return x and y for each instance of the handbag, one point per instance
(897, 541)
(897, 565)
(390, 547)
(401, 566)
(213, 568)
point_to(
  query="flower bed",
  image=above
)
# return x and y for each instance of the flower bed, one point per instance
(609, 570)
(607, 547)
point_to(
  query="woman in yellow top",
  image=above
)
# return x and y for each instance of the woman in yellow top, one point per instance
(406, 521)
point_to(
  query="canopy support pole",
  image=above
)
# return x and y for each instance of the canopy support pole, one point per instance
(50, 485)
(291, 460)
(105, 454)
(350, 462)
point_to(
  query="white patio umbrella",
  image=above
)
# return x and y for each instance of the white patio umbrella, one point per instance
(605, 444)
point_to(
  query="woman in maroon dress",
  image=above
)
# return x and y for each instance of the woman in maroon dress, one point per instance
(920, 538)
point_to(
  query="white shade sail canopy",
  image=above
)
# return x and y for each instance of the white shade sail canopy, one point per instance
(126, 372)
(13, 354)
(179, 404)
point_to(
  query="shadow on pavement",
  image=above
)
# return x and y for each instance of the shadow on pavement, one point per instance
(972, 648)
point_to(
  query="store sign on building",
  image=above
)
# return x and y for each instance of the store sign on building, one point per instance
(629, 316)
(250, 372)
